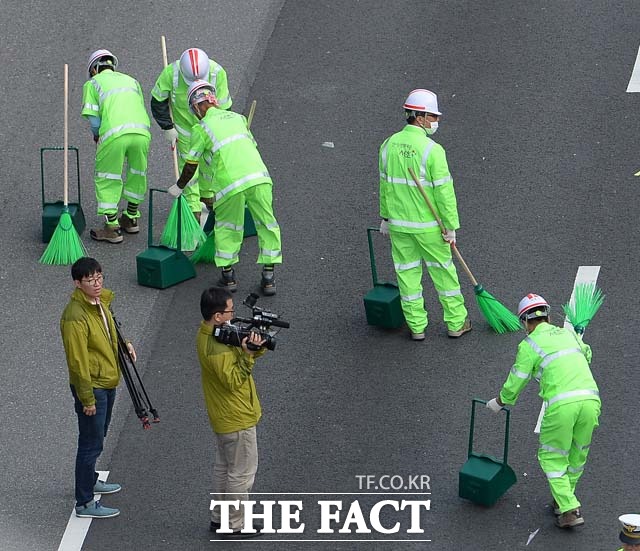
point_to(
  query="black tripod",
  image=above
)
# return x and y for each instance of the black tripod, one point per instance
(138, 393)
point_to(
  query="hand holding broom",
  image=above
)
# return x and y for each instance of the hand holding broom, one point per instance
(500, 318)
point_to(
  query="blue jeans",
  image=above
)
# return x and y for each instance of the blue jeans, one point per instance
(92, 429)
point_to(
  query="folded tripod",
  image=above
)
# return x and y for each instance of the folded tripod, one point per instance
(139, 397)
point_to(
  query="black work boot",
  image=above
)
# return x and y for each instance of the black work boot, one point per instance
(268, 283)
(228, 280)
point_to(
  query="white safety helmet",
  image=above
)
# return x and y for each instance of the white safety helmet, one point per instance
(101, 58)
(422, 101)
(199, 92)
(194, 65)
(533, 306)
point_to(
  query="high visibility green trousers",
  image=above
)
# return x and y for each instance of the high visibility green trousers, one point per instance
(565, 437)
(408, 251)
(229, 228)
(192, 192)
(110, 158)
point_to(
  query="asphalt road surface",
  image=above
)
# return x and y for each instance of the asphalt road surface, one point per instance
(541, 141)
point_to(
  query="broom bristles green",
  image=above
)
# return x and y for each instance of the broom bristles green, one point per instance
(191, 232)
(65, 246)
(499, 317)
(587, 299)
(206, 252)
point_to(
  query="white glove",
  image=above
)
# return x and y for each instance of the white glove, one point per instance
(384, 227)
(494, 406)
(449, 236)
(175, 190)
(171, 135)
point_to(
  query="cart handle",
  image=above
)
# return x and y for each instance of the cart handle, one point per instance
(372, 258)
(58, 148)
(505, 454)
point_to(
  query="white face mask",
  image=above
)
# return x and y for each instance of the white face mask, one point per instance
(431, 131)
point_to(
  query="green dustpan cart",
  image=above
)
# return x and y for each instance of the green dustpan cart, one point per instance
(51, 211)
(161, 266)
(382, 303)
(484, 478)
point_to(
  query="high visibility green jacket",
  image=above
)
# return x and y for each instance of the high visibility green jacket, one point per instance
(171, 85)
(227, 154)
(91, 352)
(559, 360)
(117, 99)
(228, 386)
(400, 200)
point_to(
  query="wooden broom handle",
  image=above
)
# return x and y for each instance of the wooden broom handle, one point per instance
(442, 228)
(65, 139)
(176, 170)
(252, 110)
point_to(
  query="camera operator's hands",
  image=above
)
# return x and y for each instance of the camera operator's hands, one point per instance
(255, 339)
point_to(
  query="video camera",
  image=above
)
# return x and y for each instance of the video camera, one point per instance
(261, 323)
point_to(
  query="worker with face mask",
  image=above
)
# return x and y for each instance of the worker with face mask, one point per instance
(406, 218)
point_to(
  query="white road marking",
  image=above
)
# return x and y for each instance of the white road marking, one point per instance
(634, 82)
(77, 527)
(586, 274)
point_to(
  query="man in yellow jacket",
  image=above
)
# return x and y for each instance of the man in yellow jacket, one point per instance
(91, 348)
(233, 407)
(559, 360)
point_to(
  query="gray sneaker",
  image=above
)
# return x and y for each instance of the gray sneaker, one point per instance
(417, 336)
(130, 225)
(102, 487)
(94, 509)
(466, 327)
(112, 234)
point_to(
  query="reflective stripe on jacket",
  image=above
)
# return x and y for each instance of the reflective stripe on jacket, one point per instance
(227, 154)
(400, 200)
(117, 99)
(171, 84)
(559, 360)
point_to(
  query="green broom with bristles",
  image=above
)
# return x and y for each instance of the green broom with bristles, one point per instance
(192, 234)
(206, 253)
(586, 301)
(65, 246)
(499, 317)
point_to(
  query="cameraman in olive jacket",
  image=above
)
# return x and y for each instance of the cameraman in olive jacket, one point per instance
(233, 407)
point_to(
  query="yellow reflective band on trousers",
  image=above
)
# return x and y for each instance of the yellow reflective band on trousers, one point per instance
(229, 226)
(565, 437)
(110, 158)
(408, 251)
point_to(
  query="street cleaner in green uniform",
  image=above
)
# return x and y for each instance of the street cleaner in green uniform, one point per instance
(558, 360)
(232, 174)
(114, 105)
(170, 90)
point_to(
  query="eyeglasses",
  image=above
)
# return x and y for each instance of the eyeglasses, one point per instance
(96, 280)
(432, 115)
(226, 311)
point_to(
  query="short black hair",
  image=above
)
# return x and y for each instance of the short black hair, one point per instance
(212, 300)
(411, 115)
(84, 267)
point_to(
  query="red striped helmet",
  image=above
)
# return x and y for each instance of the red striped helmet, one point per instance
(422, 101)
(194, 65)
(533, 306)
